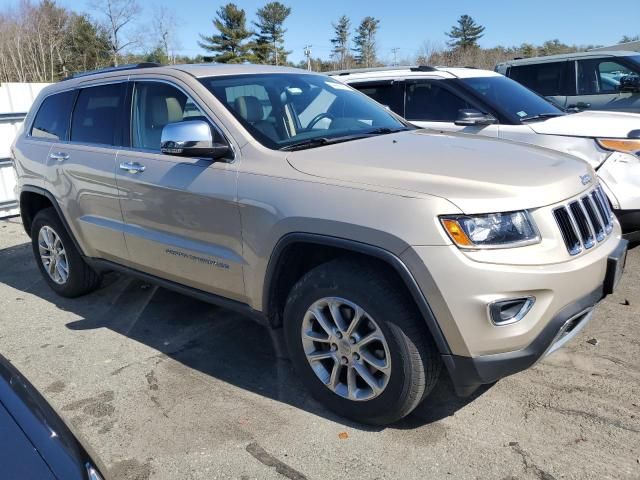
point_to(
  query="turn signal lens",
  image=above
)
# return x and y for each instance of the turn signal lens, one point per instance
(456, 233)
(620, 145)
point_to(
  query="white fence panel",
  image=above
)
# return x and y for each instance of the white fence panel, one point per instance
(15, 101)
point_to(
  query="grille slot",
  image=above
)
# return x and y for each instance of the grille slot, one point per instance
(568, 232)
(584, 227)
(585, 222)
(596, 219)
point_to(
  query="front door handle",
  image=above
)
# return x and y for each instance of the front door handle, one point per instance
(59, 156)
(132, 167)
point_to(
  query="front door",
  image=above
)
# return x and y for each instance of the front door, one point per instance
(599, 83)
(181, 214)
(432, 104)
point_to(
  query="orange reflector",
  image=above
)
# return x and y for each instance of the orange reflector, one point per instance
(456, 233)
(620, 145)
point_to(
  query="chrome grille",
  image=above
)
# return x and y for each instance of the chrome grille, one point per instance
(585, 222)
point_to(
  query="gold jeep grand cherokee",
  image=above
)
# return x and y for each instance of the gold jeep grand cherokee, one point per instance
(383, 253)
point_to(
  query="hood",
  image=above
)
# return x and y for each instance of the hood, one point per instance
(477, 174)
(589, 124)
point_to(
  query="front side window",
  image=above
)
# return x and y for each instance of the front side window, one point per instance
(545, 78)
(154, 106)
(53, 117)
(97, 117)
(283, 109)
(601, 76)
(432, 101)
(510, 98)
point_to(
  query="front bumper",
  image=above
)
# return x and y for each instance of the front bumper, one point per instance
(468, 373)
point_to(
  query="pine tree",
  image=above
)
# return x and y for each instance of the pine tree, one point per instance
(269, 43)
(466, 34)
(231, 43)
(365, 42)
(341, 41)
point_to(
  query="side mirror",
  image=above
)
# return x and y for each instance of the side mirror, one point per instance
(471, 117)
(629, 84)
(192, 138)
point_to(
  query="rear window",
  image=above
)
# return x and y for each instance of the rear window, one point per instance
(544, 78)
(52, 119)
(97, 117)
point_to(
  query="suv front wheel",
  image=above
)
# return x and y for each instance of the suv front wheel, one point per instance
(359, 343)
(60, 263)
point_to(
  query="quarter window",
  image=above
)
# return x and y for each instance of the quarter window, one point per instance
(52, 119)
(97, 117)
(430, 101)
(155, 105)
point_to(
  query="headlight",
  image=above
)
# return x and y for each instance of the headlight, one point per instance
(630, 145)
(493, 230)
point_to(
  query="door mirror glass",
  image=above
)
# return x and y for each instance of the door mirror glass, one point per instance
(191, 138)
(630, 84)
(471, 116)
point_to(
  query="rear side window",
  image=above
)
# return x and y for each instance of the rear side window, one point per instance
(389, 94)
(97, 117)
(52, 119)
(431, 101)
(544, 78)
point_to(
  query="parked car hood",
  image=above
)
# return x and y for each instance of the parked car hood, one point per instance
(478, 174)
(589, 124)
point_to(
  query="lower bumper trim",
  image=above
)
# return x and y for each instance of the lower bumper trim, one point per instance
(468, 373)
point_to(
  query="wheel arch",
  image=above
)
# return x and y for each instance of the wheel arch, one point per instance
(286, 248)
(32, 200)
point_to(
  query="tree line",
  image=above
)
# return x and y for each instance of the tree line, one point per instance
(45, 42)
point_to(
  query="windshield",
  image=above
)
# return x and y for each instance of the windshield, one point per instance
(284, 109)
(513, 100)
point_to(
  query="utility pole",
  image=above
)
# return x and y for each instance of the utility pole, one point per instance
(307, 53)
(395, 56)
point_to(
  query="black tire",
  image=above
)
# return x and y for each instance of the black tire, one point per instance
(81, 277)
(415, 360)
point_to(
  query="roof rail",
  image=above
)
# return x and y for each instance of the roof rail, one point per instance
(413, 68)
(129, 66)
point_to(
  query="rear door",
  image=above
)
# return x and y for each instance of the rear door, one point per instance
(81, 171)
(436, 105)
(181, 214)
(554, 80)
(599, 82)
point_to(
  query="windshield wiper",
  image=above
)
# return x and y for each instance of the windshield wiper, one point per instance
(541, 116)
(320, 141)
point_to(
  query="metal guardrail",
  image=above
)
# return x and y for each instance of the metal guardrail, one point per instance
(12, 117)
(7, 207)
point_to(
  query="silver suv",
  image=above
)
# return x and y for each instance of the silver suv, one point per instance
(380, 251)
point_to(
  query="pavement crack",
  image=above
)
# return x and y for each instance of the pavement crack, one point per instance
(528, 464)
(269, 460)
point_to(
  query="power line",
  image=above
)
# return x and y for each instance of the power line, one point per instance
(307, 53)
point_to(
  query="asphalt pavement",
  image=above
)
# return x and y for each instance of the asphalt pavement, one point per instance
(162, 386)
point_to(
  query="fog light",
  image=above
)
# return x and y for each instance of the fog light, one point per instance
(506, 312)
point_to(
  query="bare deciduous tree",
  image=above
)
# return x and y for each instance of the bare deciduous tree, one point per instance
(119, 15)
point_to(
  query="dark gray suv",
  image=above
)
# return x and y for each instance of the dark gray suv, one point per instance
(606, 80)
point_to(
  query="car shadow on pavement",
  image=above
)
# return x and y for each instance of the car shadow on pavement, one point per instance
(217, 342)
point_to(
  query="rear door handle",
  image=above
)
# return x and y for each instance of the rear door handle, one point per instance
(132, 167)
(59, 156)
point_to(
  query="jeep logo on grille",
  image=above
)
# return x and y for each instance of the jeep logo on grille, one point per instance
(586, 179)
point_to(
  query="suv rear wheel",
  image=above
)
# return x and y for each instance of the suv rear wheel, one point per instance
(58, 259)
(358, 342)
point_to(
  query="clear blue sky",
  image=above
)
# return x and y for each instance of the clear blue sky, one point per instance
(407, 24)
